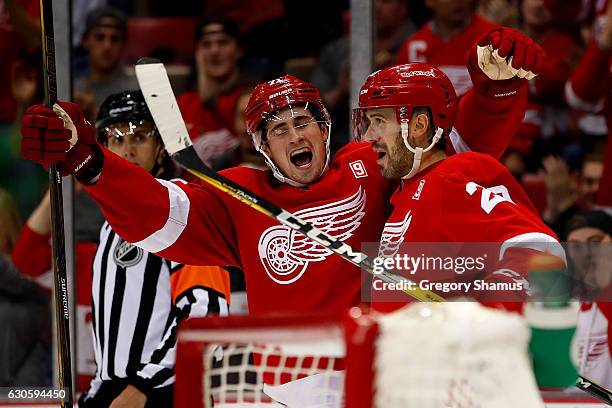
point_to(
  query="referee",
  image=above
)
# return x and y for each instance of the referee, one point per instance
(135, 315)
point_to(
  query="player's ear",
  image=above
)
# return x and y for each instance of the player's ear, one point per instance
(420, 128)
(266, 148)
(161, 153)
(324, 131)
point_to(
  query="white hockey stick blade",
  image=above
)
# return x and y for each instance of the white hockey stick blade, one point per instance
(155, 86)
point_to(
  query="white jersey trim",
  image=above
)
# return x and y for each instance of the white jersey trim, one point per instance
(177, 220)
(578, 103)
(458, 143)
(534, 240)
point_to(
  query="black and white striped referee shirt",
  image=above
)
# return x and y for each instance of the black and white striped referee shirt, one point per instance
(134, 319)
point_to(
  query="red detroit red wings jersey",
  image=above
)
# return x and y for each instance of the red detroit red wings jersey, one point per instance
(593, 334)
(284, 270)
(468, 197)
(447, 54)
(201, 118)
(465, 198)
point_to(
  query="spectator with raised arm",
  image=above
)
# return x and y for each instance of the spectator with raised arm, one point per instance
(589, 88)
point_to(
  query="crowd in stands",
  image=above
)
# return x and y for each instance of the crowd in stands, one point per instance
(217, 51)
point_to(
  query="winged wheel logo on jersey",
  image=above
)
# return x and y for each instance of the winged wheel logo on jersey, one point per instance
(127, 255)
(286, 254)
(393, 236)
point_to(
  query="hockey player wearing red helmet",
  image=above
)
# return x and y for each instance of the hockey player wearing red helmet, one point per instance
(404, 112)
(288, 121)
(411, 98)
(346, 196)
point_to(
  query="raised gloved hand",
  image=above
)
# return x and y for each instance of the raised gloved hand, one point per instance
(501, 60)
(61, 136)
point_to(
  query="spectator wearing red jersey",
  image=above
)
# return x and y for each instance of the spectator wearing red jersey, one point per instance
(589, 89)
(446, 38)
(547, 116)
(25, 89)
(208, 109)
(589, 237)
(19, 31)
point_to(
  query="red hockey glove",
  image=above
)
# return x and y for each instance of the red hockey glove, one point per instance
(61, 136)
(502, 60)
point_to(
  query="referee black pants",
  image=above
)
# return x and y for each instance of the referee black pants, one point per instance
(109, 390)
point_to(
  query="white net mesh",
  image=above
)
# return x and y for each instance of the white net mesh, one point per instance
(237, 368)
(453, 355)
(236, 373)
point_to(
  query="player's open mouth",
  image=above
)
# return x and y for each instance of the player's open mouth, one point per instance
(301, 157)
(381, 154)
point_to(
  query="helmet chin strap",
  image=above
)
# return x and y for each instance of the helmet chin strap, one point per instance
(277, 173)
(284, 179)
(418, 151)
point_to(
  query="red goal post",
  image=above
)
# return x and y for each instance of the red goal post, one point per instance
(281, 349)
(458, 355)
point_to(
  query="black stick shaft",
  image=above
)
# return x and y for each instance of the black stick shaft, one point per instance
(594, 389)
(57, 215)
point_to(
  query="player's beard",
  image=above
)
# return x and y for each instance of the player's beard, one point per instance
(399, 160)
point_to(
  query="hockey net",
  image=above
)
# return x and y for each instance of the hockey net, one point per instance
(455, 355)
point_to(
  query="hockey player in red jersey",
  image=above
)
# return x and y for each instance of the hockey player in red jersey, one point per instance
(404, 111)
(344, 195)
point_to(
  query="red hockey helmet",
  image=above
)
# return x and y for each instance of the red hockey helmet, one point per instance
(405, 87)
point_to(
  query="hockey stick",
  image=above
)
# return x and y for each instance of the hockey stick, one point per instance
(155, 86)
(596, 390)
(62, 315)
